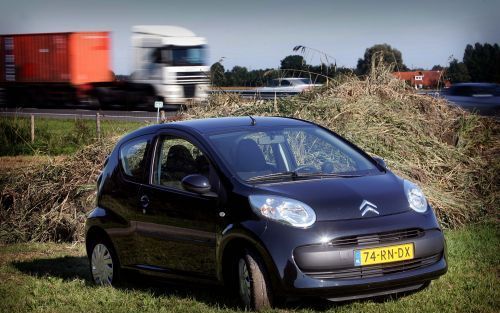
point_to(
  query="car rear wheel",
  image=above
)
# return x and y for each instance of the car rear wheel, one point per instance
(104, 266)
(254, 289)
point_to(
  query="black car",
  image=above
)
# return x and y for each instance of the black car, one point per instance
(482, 98)
(274, 207)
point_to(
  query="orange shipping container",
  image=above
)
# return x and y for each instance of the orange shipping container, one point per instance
(76, 58)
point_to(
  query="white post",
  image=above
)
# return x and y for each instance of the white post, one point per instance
(32, 124)
(158, 106)
(98, 125)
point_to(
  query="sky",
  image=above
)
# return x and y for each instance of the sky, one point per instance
(258, 34)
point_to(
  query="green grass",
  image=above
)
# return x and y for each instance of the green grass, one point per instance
(53, 277)
(55, 136)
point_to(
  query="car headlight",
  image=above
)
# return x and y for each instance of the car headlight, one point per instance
(415, 196)
(284, 210)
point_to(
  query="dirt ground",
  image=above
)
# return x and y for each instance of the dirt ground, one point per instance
(12, 163)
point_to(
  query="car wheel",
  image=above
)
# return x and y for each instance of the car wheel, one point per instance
(104, 265)
(254, 289)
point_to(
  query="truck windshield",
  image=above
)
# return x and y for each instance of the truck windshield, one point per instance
(180, 55)
(188, 55)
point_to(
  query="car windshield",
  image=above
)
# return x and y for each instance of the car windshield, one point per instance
(289, 82)
(306, 81)
(290, 153)
(279, 83)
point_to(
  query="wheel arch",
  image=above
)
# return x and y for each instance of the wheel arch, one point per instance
(233, 245)
(94, 233)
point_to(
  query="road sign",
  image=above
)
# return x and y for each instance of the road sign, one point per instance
(158, 104)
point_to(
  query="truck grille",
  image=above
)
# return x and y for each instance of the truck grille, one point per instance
(377, 238)
(376, 270)
(189, 91)
(192, 78)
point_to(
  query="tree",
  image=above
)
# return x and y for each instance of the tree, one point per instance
(217, 74)
(483, 62)
(293, 62)
(457, 72)
(437, 68)
(238, 76)
(389, 56)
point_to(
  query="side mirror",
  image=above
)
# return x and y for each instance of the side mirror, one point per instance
(196, 183)
(380, 162)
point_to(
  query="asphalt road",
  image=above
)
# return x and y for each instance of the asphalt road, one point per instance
(138, 116)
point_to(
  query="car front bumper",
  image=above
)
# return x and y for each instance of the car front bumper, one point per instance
(320, 261)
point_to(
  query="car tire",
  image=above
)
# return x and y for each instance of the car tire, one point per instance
(253, 284)
(104, 265)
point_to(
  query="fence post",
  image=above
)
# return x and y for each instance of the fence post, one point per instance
(32, 124)
(98, 125)
(275, 103)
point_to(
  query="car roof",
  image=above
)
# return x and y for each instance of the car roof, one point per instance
(209, 125)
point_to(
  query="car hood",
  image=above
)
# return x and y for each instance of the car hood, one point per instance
(346, 198)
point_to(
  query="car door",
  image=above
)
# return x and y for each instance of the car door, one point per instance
(121, 191)
(177, 229)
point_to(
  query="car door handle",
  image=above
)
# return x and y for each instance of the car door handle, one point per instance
(144, 201)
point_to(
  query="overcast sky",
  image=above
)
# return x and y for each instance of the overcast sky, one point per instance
(258, 34)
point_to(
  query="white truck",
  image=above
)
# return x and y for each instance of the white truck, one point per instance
(172, 60)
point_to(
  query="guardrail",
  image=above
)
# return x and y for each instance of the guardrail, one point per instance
(139, 116)
(255, 94)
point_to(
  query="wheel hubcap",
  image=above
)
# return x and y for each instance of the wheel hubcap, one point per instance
(244, 279)
(102, 265)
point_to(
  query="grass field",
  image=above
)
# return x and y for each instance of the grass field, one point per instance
(55, 136)
(50, 277)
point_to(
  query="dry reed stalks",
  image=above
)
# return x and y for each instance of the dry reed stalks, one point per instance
(452, 154)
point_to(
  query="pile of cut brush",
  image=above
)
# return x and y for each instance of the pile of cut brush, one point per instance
(48, 201)
(452, 154)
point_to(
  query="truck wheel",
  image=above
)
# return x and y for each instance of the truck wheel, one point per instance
(253, 284)
(104, 265)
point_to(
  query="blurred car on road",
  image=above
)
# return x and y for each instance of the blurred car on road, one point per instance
(292, 84)
(482, 98)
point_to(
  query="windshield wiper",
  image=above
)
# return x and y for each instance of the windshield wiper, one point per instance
(295, 175)
(288, 174)
(326, 175)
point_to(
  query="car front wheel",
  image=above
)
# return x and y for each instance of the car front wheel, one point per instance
(254, 289)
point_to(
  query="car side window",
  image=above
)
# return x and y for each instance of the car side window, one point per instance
(132, 156)
(177, 158)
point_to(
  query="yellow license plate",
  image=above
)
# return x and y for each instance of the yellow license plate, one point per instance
(384, 254)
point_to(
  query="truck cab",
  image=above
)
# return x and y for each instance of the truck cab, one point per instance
(173, 61)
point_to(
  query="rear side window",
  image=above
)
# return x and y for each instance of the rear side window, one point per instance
(132, 155)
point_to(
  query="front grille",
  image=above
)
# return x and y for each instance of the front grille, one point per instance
(192, 78)
(376, 270)
(189, 91)
(377, 238)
